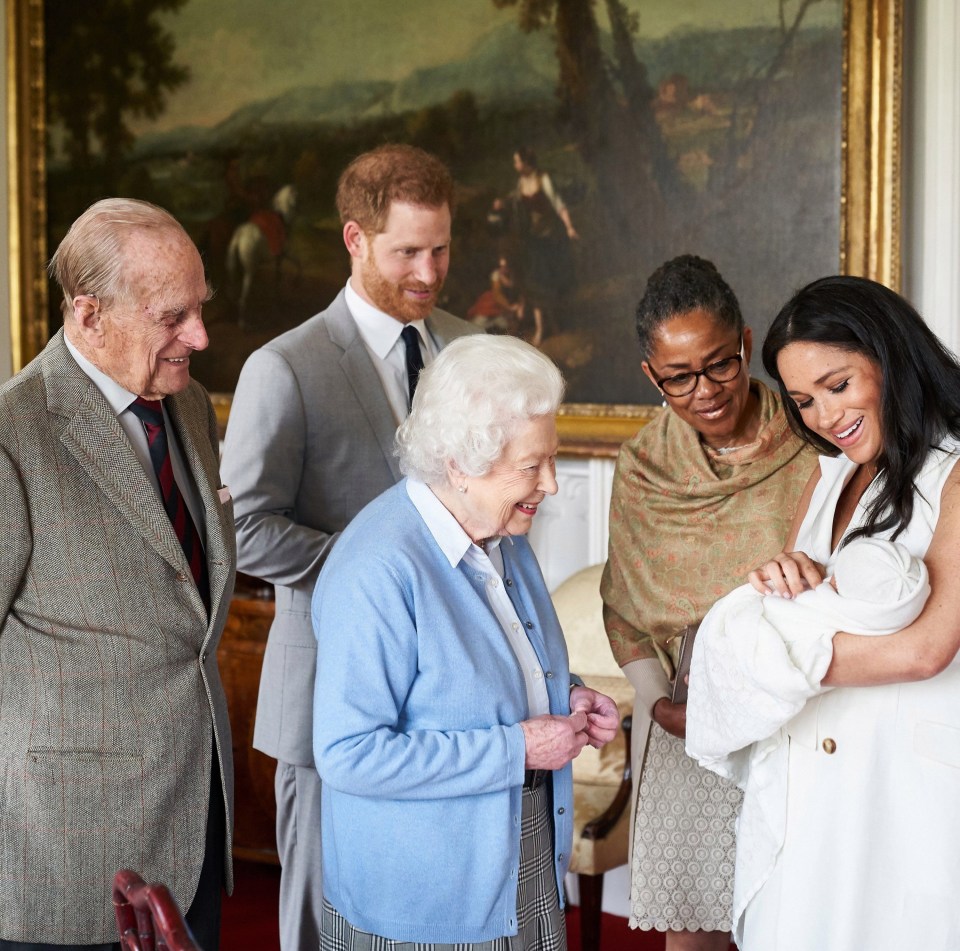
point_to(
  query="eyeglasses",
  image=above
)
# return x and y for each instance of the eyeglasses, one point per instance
(723, 371)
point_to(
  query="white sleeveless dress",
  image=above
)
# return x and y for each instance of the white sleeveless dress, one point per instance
(871, 857)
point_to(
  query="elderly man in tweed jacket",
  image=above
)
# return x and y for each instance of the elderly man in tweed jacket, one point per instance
(114, 738)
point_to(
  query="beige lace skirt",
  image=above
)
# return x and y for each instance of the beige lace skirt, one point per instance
(683, 844)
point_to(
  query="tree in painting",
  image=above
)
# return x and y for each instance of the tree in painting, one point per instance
(666, 163)
(127, 63)
(607, 102)
(608, 122)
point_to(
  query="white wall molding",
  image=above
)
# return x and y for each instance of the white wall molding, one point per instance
(570, 530)
(932, 165)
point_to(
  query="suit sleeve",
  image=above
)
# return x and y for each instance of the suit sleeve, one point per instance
(263, 463)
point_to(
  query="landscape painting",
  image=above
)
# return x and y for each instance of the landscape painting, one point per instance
(590, 139)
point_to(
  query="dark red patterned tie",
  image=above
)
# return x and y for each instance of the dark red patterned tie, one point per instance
(150, 414)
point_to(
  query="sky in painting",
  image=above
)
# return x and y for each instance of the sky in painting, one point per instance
(245, 50)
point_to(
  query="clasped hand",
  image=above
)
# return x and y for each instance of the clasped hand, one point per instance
(553, 741)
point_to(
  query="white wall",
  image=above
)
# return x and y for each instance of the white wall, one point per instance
(570, 530)
(931, 227)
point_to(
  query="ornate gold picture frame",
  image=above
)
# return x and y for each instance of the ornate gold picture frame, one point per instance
(869, 191)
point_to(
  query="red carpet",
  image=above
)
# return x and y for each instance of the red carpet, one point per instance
(250, 918)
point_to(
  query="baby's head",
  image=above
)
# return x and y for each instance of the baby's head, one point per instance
(876, 570)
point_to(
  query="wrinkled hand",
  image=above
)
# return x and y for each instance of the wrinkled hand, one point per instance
(603, 717)
(554, 741)
(671, 716)
(790, 573)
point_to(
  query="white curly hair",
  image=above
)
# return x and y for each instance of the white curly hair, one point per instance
(469, 403)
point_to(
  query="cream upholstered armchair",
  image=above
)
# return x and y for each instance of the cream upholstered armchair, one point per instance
(601, 778)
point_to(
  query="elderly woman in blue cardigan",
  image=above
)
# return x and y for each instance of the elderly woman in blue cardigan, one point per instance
(445, 720)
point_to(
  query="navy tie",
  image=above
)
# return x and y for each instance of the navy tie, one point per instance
(150, 414)
(411, 340)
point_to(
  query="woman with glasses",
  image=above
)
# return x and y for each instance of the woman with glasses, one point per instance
(698, 495)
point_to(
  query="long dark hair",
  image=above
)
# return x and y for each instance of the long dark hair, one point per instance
(920, 388)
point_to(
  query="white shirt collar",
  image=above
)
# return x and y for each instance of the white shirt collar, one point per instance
(379, 330)
(118, 397)
(454, 542)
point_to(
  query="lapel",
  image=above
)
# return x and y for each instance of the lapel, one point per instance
(363, 378)
(93, 436)
(189, 417)
(435, 324)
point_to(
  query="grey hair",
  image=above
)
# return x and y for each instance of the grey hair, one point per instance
(470, 402)
(90, 258)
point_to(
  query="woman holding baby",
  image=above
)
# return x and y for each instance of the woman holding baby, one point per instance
(869, 856)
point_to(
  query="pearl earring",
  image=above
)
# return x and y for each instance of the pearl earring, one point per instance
(462, 489)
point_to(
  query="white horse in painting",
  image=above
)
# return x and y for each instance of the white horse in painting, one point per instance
(250, 246)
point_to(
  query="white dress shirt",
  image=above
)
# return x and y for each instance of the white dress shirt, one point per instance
(488, 566)
(381, 336)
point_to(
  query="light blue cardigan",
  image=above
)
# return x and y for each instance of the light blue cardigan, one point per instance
(416, 737)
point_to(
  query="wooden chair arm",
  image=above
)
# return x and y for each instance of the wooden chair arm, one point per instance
(601, 827)
(148, 918)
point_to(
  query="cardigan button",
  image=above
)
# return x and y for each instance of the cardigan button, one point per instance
(829, 746)
(530, 625)
(561, 811)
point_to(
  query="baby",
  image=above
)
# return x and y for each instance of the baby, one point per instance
(758, 658)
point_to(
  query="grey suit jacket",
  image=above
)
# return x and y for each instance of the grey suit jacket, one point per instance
(310, 442)
(110, 697)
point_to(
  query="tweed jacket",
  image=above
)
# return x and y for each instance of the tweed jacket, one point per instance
(110, 697)
(309, 444)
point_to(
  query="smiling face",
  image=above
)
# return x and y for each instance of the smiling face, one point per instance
(724, 414)
(505, 500)
(143, 340)
(401, 270)
(838, 395)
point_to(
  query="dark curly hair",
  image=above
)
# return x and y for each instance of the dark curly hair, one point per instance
(680, 285)
(920, 388)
